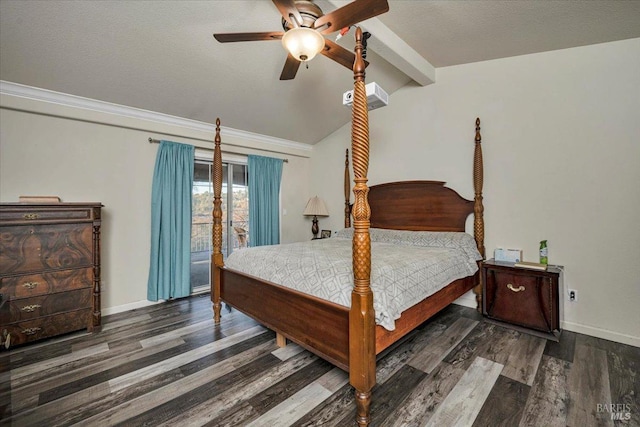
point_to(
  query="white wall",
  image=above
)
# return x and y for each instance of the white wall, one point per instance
(82, 155)
(562, 162)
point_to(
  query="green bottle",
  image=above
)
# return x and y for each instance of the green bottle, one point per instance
(544, 252)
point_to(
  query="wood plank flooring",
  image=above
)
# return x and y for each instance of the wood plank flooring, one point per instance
(169, 365)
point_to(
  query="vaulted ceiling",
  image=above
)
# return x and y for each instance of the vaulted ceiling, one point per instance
(161, 56)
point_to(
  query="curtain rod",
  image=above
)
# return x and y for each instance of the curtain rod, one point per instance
(157, 141)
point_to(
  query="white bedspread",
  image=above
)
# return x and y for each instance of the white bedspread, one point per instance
(406, 267)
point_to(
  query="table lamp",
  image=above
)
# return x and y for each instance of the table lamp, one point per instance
(315, 207)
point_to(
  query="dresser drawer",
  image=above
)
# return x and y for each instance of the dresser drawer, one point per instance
(46, 305)
(35, 213)
(523, 299)
(44, 327)
(33, 248)
(32, 285)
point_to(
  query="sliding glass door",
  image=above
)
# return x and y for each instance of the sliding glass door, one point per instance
(235, 217)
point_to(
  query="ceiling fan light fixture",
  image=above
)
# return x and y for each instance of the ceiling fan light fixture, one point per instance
(303, 43)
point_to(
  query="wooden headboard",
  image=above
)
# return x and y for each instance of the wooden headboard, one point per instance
(418, 205)
(424, 205)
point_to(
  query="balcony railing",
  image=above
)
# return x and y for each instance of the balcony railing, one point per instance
(201, 248)
(201, 237)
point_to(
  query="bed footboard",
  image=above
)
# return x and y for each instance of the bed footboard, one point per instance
(315, 324)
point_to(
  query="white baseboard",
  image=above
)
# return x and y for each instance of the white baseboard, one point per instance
(146, 303)
(601, 333)
(129, 306)
(469, 300)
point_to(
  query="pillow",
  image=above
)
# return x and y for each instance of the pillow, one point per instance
(345, 233)
(435, 239)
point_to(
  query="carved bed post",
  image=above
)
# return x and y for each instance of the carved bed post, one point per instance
(362, 355)
(347, 191)
(216, 257)
(478, 208)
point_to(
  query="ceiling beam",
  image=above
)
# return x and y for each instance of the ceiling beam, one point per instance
(396, 51)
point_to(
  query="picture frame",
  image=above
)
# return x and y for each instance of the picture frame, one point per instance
(325, 234)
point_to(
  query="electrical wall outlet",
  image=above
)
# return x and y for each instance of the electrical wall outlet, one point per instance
(572, 295)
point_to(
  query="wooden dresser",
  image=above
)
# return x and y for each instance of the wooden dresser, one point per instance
(49, 270)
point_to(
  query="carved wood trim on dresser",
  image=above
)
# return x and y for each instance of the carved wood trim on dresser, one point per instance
(49, 270)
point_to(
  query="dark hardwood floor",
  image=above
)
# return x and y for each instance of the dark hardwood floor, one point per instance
(169, 365)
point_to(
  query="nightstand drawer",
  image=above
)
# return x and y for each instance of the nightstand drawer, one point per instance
(523, 300)
(522, 297)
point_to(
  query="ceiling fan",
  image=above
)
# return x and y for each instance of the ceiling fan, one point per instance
(304, 25)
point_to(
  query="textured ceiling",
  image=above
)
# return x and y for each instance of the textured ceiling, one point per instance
(161, 56)
(458, 32)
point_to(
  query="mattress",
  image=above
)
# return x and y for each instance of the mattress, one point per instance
(406, 267)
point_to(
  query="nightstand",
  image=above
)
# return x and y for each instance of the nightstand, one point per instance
(527, 299)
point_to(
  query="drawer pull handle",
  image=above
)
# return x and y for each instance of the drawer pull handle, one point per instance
(514, 289)
(30, 285)
(31, 331)
(6, 339)
(30, 216)
(30, 308)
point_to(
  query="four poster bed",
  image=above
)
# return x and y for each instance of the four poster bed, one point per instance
(346, 334)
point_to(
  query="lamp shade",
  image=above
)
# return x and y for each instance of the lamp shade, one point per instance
(315, 207)
(303, 43)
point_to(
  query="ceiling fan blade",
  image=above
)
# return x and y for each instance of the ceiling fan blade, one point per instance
(339, 54)
(288, 10)
(350, 14)
(290, 68)
(248, 37)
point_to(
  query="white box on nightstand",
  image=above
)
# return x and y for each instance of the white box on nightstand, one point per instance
(509, 255)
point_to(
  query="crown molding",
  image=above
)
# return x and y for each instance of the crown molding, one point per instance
(67, 100)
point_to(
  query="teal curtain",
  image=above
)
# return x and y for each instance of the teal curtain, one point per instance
(169, 270)
(265, 174)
